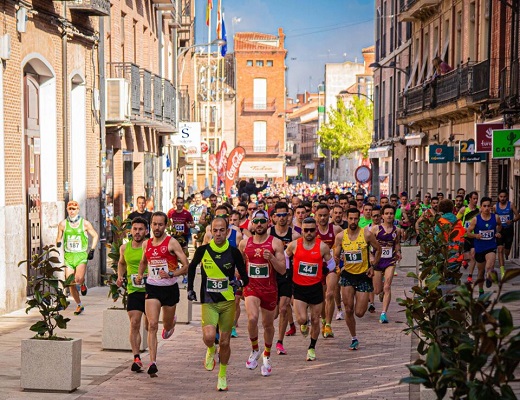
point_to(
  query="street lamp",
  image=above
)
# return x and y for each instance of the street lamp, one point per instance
(391, 65)
(357, 94)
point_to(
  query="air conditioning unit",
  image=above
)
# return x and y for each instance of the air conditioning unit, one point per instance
(117, 100)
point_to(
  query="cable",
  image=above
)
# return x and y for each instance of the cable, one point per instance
(330, 29)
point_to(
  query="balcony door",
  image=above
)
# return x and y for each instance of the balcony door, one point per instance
(260, 137)
(260, 94)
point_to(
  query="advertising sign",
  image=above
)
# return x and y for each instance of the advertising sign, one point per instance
(234, 161)
(440, 154)
(483, 136)
(504, 142)
(253, 169)
(188, 138)
(467, 152)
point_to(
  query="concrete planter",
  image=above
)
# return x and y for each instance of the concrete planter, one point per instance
(183, 311)
(409, 256)
(116, 330)
(51, 365)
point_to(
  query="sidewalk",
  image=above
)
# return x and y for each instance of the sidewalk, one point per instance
(372, 372)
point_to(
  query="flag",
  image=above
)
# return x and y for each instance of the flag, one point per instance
(223, 49)
(209, 7)
(234, 161)
(219, 19)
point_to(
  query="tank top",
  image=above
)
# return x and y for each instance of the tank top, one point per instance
(232, 239)
(159, 258)
(487, 229)
(327, 238)
(286, 239)
(298, 229)
(355, 258)
(307, 264)
(132, 259)
(468, 216)
(75, 239)
(505, 214)
(387, 242)
(262, 275)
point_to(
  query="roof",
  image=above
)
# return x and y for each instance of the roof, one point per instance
(255, 41)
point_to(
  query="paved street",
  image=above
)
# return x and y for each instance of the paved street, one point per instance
(372, 372)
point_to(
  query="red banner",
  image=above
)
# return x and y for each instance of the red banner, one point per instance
(221, 162)
(483, 135)
(213, 163)
(235, 158)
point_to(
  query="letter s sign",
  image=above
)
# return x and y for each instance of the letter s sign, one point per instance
(185, 132)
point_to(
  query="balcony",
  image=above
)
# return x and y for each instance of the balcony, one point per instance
(259, 106)
(510, 86)
(100, 8)
(412, 10)
(259, 148)
(130, 72)
(184, 104)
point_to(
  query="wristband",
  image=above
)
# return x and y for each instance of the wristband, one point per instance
(331, 264)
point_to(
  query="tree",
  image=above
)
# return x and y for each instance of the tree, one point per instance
(350, 128)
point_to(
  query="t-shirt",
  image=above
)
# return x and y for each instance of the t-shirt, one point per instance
(147, 215)
(180, 221)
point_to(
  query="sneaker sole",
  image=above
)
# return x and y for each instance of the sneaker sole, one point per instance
(266, 374)
(250, 367)
(212, 368)
(136, 368)
(281, 353)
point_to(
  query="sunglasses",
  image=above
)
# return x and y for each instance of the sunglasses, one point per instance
(259, 221)
(72, 208)
(222, 216)
(281, 215)
(359, 199)
(375, 215)
(428, 196)
(309, 230)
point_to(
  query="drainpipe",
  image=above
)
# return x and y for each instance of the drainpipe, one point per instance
(103, 152)
(159, 193)
(65, 108)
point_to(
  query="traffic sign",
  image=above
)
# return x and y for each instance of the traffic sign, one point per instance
(363, 174)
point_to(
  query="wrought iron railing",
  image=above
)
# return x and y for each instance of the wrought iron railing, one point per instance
(131, 73)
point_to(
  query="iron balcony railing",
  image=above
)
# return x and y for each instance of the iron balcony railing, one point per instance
(259, 105)
(100, 8)
(157, 97)
(510, 85)
(260, 147)
(147, 93)
(131, 73)
(168, 102)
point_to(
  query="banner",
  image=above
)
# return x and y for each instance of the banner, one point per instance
(188, 138)
(504, 141)
(213, 163)
(221, 163)
(234, 161)
(440, 154)
(467, 152)
(483, 136)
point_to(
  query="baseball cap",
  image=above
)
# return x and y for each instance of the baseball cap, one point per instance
(260, 213)
(72, 204)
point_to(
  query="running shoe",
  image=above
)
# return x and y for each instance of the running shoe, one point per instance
(280, 349)
(152, 370)
(469, 279)
(371, 308)
(185, 280)
(251, 362)
(311, 354)
(137, 366)
(209, 362)
(354, 345)
(328, 331)
(383, 319)
(266, 366)
(491, 277)
(79, 310)
(291, 331)
(167, 334)
(234, 332)
(340, 315)
(304, 329)
(381, 296)
(84, 289)
(465, 264)
(222, 384)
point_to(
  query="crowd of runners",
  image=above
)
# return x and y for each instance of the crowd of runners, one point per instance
(297, 257)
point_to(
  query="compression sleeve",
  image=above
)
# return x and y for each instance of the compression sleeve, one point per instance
(331, 264)
(192, 268)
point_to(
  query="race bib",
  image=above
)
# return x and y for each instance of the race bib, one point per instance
(134, 283)
(352, 257)
(504, 218)
(307, 269)
(73, 244)
(153, 271)
(387, 252)
(258, 270)
(487, 235)
(179, 227)
(214, 285)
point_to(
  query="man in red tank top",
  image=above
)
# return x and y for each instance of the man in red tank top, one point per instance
(264, 259)
(161, 255)
(309, 254)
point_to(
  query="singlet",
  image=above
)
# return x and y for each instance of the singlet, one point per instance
(297, 229)
(505, 214)
(387, 241)
(363, 222)
(196, 212)
(468, 216)
(307, 264)
(487, 229)
(132, 259)
(244, 225)
(262, 275)
(180, 221)
(232, 238)
(75, 239)
(328, 238)
(159, 258)
(355, 258)
(286, 239)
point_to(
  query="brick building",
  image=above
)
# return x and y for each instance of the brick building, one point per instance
(260, 103)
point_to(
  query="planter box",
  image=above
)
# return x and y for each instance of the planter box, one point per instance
(409, 254)
(51, 365)
(116, 331)
(183, 309)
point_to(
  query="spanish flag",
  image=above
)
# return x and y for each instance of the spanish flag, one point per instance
(208, 11)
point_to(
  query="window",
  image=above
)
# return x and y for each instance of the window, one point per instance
(259, 63)
(269, 63)
(249, 63)
(260, 94)
(260, 137)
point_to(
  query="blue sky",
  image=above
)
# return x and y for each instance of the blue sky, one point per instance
(317, 32)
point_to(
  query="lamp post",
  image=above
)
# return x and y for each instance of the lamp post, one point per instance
(180, 52)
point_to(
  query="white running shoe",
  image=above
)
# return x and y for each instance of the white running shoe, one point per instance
(266, 366)
(251, 362)
(340, 315)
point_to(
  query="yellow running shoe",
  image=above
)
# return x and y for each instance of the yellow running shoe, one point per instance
(327, 331)
(304, 329)
(222, 384)
(210, 362)
(311, 355)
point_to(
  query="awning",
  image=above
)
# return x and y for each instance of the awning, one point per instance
(379, 152)
(310, 165)
(414, 139)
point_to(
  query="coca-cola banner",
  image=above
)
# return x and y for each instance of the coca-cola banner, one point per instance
(213, 163)
(222, 162)
(484, 135)
(235, 158)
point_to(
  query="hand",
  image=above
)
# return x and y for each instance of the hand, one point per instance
(90, 254)
(267, 255)
(236, 283)
(370, 272)
(163, 274)
(119, 281)
(192, 296)
(138, 279)
(58, 245)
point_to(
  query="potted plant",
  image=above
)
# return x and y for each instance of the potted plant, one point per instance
(116, 324)
(49, 361)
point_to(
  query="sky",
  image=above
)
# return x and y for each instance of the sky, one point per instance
(317, 32)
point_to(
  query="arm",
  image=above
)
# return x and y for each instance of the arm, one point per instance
(337, 246)
(92, 232)
(192, 268)
(516, 215)
(143, 264)
(295, 235)
(239, 235)
(277, 259)
(289, 251)
(240, 266)
(371, 239)
(207, 236)
(460, 214)
(398, 244)
(327, 257)
(121, 265)
(175, 248)
(61, 228)
(337, 230)
(471, 227)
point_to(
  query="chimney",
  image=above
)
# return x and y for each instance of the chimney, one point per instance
(281, 36)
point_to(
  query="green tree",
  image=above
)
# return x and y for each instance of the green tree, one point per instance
(350, 128)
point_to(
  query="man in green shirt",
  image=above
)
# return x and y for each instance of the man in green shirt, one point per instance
(130, 255)
(366, 218)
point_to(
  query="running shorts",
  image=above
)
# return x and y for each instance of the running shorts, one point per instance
(221, 314)
(312, 294)
(268, 300)
(72, 260)
(136, 301)
(360, 282)
(481, 257)
(167, 295)
(506, 238)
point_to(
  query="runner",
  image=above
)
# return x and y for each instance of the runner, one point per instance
(265, 258)
(161, 256)
(182, 221)
(300, 213)
(198, 211)
(130, 256)
(309, 255)
(356, 274)
(508, 215)
(466, 214)
(74, 231)
(366, 218)
(141, 211)
(219, 263)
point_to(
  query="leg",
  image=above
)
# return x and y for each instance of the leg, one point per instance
(490, 264)
(300, 308)
(283, 307)
(268, 325)
(389, 275)
(377, 281)
(73, 290)
(471, 261)
(135, 317)
(253, 311)
(225, 322)
(337, 296)
(168, 317)
(152, 308)
(315, 320)
(348, 294)
(81, 270)
(237, 310)
(208, 335)
(332, 284)
(481, 266)
(361, 303)
(501, 256)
